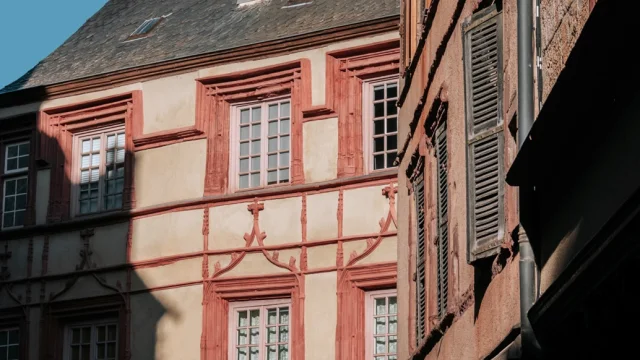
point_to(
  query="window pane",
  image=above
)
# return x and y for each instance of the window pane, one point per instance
(111, 143)
(255, 317)
(9, 203)
(254, 353)
(392, 142)
(393, 305)
(12, 164)
(392, 91)
(255, 163)
(23, 162)
(244, 165)
(18, 219)
(255, 114)
(284, 334)
(393, 324)
(75, 353)
(378, 144)
(120, 140)
(391, 157)
(242, 337)
(392, 344)
(244, 149)
(273, 144)
(242, 353)
(86, 146)
(272, 177)
(378, 127)
(284, 126)
(380, 306)
(3, 338)
(391, 107)
(255, 179)
(244, 116)
(95, 160)
(255, 147)
(284, 175)
(255, 131)
(244, 181)
(86, 161)
(242, 319)
(272, 353)
(244, 133)
(273, 128)
(284, 142)
(380, 325)
(110, 158)
(380, 346)
(378, 92)
(10, 187)
(111, 350)
(392, 125)
(12, 150)
(101, 350)
(284, 109)
(273, 111)
(378, 109)
(21, 201)
(7, 219)
(273, 161)
(284, 315)
(272, 316)
(13, 352)
(284, 159)
(378, 162)
(283, 352)
(255, 336)
(271, 335)
(120, 156)
(23, 149)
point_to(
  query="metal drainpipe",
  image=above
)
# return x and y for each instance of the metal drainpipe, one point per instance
(530, 347)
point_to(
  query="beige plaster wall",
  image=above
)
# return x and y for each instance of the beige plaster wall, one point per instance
(320, 312)
(384, 252)
(322, 256)
(167, 324)
(19, 253)
(169, 102)
(355, 202)
(227, 226)
(322, 216)
(280, 220)
(42, 195)
(317, 57)
(256, 264)
(320, 150)
(173, 273)
(167, 234)
(87, 286)
(170, 173)
(109, 245)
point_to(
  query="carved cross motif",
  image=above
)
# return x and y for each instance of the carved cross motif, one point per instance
(390, 192)
(85, 252)
(255, 209)
(4, 258)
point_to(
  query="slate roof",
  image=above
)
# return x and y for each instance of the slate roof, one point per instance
(193, 27)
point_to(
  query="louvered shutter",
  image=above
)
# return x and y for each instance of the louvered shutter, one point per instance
(443, 219)
(421, 294)
(483, 87)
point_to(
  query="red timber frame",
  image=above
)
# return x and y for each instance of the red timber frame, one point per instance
(215, 95)
(57, 127)
(346, 71)
(18, 129)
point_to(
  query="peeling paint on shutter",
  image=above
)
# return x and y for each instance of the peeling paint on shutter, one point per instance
(421, 295)
(483, 88)
(443, 219)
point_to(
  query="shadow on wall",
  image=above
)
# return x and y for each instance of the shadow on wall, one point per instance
(69, 287)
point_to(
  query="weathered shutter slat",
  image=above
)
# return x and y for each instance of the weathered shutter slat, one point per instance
(483, 62)
(421, 295)
(442, 274)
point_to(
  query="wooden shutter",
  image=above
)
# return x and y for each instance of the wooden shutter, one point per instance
(443, 219)
(421, 294)
(485, 144)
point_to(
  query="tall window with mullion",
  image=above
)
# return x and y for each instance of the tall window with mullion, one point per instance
(260, 331)
(485, 138)
(15, 181)
(100, 171)
(382, 317)
(10, 344)
(383, 123)
(264, 138)
(92, 341)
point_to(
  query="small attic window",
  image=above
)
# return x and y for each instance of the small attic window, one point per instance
(145, 28)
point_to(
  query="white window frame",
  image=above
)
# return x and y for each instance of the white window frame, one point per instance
(76, 163)
(235, 307)
(6, 157)
(234, 142)
(66, 353)
(367, 121)
(15, 174)
(369, 323)
(6, 347)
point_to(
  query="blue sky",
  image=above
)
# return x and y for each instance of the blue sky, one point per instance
(31, 29)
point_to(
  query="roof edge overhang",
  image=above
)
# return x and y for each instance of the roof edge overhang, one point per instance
(598, 72)
(182, 65)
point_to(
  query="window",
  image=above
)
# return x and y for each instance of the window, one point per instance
(262, 143)
(380, 123)
(9, 344)
(442, 245)
(92, 341)
(259, 330)
(382, 325)
(485, 143)
(14, 199)
(100, 160)
(421, 274)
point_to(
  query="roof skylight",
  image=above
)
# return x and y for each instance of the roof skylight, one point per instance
(145, 27)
